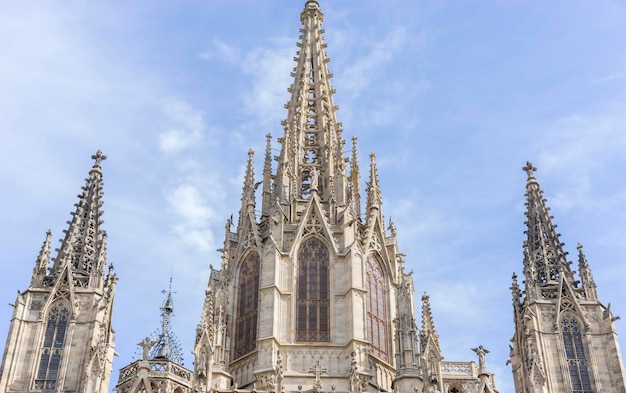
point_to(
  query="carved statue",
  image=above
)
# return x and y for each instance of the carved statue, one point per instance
(146, 345)
(480, 351)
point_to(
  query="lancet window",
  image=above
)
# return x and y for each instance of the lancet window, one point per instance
(313, 292)
(376, 307)
(52, 348)
(575, 354)
(247, 305)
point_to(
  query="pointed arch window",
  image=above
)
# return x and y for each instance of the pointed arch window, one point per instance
(247, 305)
(52, 348)
(376, 307)
(313, 303)
(575, 354)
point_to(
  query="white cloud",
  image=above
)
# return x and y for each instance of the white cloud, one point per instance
(187, 127)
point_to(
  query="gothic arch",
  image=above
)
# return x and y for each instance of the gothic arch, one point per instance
(52, 344)
(456, 388)
(377, 307)
(313, 291)
(576, 354)
(247, 306)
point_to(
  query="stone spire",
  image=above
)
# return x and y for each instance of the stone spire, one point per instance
(586, 278)
(84, 241)
(312, 147)
(374, 198)
(428, 324)
(355, 179)
(43, 262)
(545, 261)
(247, 196)
(267, 178)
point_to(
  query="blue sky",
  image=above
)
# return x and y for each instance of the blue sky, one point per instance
(453, 96)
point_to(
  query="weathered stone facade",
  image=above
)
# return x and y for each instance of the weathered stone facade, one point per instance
(564, 337)
(61, 338)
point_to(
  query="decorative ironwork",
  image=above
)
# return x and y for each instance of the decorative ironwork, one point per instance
(313, 292)
(248, 305)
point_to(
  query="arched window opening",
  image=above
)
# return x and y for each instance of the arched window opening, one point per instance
(376, 307)
(52, 348)
(575, 354)
(313, 292)
(247, 305)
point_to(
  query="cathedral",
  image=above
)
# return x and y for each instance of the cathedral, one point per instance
(311, 293)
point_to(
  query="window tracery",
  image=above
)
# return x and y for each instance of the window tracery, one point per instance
(575, 354)
(376, 307)
(313, 303)
(247, 305)
(52, 347)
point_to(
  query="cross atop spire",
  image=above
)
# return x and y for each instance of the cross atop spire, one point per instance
(530, 170)
(98, 158)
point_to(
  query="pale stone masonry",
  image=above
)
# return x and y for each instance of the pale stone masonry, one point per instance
(564, 337)
(311, 293)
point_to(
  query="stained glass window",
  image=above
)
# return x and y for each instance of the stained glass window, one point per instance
(575, 354)
(247, 306)
(376, 308)
(52, 348)
(313, 292)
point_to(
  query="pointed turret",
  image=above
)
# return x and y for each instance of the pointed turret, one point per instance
(430, 351)
(355, 179)
(43, 262)
(312, 148)
(247, 196)
(374, 198)
(586, 278)
(428, 324)
(545, 262)
(267, 178)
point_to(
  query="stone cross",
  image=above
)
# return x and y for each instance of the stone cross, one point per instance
(318, 370)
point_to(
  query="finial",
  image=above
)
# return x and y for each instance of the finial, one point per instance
(530, 169)
(98, 157)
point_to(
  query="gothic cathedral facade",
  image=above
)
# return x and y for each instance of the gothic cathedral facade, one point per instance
(311, 294)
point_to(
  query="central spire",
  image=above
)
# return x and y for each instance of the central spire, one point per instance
(311, 157)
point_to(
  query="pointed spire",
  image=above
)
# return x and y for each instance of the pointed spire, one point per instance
(428, 324)
(43, 262)
(545, 262)
(312, 148)
(374, 199)
(83, 243)
(267, 178)
(167, 346)
(249, 188)
(586, 278)
(355, 179)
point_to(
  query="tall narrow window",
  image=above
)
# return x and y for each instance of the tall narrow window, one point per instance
(376, 309)
(52, 348)
(247, 306)
(575, 354)
(313, 292)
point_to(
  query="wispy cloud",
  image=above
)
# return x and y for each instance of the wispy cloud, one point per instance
(184, 129)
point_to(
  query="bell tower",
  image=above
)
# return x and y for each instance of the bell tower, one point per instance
(564, 338)
(60, 337)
